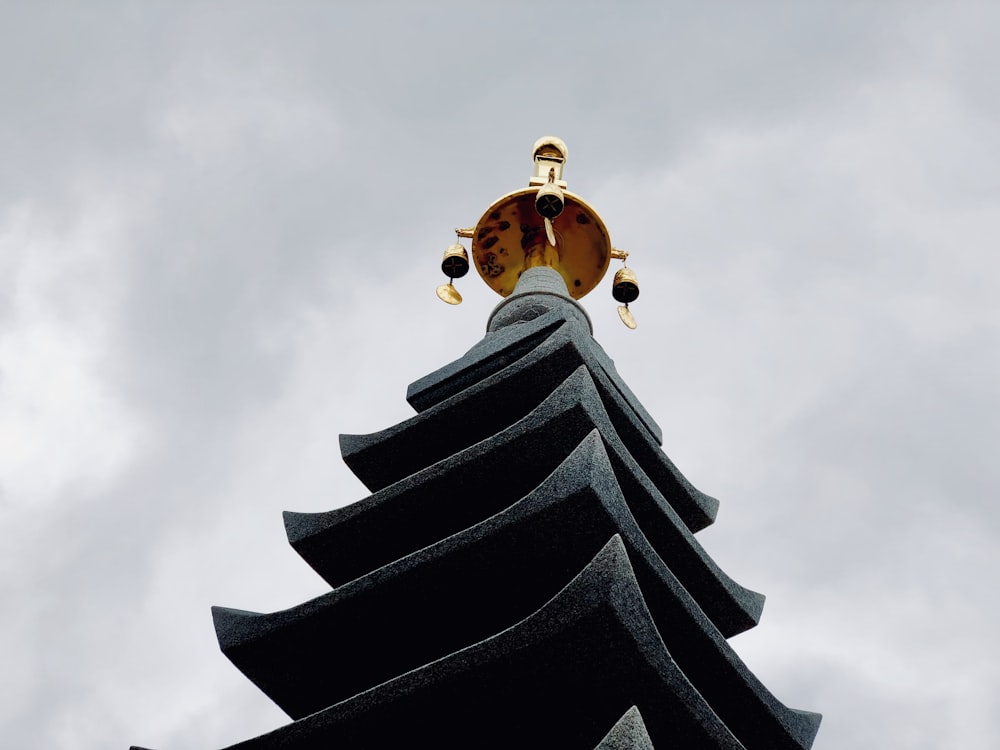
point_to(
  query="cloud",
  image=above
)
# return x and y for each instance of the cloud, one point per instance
(60, 424)
(219, 239)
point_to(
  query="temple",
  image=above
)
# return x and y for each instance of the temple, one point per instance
(525, 572)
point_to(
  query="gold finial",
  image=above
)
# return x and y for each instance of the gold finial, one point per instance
(550, 155)
(541, 225)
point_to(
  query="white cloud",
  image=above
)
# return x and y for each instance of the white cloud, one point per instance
(208, 111)
(810, 199)
(59, 424)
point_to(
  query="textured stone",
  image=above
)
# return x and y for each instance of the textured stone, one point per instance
(628, 733)
(558, 678)
(492, 354)
(477, 599)
(538, 291)
(474, 583)
(335, 544)
(499, 349)
(471, 415)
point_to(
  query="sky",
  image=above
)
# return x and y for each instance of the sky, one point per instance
(221, 226)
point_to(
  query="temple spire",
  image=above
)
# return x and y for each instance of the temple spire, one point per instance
(525, 571)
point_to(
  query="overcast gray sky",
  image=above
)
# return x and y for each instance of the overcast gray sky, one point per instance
(220, 234)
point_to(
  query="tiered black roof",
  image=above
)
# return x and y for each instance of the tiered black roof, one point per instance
(525, 574)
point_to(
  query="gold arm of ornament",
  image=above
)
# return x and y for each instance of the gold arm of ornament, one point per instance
(468, 232)
(619, 254)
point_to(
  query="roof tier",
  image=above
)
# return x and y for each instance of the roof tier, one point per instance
(524, 573)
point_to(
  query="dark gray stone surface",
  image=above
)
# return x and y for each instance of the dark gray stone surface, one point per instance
(556, 679)
(335, 544)
(465, 418)
(485, 407)
(478, 601)
(473, 584)
(538, 291)
(501, 348)
(629, 733)
(488, 356)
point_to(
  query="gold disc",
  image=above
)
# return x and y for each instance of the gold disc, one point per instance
(448, 293)
(511, 236)
(626, 315)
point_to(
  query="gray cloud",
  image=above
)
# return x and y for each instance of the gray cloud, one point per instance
(219, 235)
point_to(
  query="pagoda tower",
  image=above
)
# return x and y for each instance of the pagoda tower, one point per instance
(525, 573)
